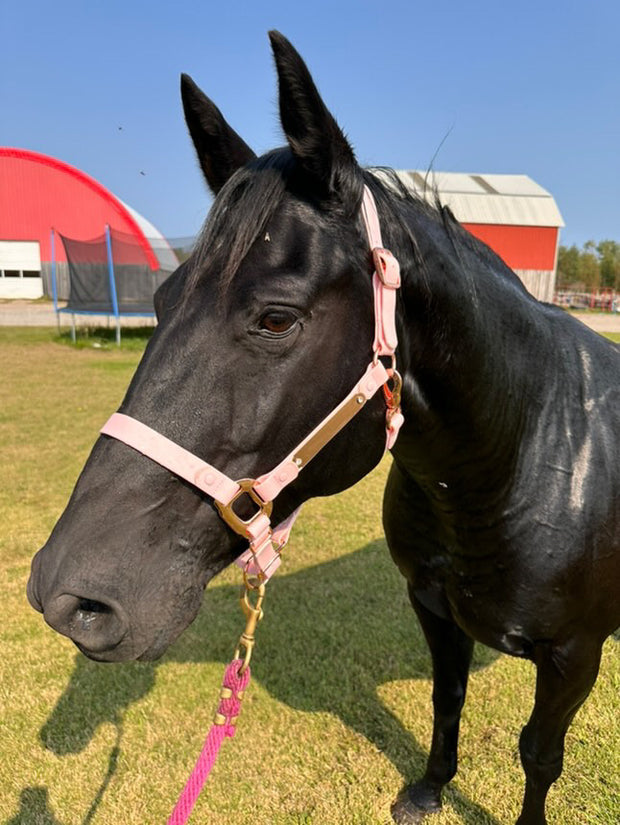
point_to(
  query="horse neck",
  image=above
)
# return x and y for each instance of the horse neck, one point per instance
(466, 346)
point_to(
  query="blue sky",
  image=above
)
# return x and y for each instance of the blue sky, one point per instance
(522, 87)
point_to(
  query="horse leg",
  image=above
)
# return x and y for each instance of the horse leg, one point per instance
(565, 676)
(451, 651)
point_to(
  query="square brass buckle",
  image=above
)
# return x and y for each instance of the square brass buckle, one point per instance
(234, 520)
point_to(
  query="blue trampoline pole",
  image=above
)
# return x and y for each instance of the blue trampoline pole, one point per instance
(113, 296)
(54, 284)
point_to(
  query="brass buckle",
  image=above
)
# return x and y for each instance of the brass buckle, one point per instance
(235, 521)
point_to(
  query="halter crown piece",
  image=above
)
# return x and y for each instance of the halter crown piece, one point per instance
(262, 557)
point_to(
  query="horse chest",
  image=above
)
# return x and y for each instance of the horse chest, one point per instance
(474, 572)
(493, 601)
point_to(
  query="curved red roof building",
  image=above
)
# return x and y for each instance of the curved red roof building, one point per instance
(38, 193)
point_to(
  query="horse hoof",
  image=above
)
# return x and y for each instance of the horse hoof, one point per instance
(414, 804)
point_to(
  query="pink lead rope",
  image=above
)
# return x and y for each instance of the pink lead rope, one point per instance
(233, 686)
(262, 557)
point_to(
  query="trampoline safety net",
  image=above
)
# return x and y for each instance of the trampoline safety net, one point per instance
(114, 274)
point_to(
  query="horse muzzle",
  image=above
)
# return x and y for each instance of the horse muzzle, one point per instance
(97, 625)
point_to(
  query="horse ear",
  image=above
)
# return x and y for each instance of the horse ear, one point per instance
(315, 138)
(219, 148)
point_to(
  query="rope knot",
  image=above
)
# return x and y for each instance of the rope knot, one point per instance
(231, 696)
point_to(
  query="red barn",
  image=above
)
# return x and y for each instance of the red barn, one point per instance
(37, 193)
(512, 214)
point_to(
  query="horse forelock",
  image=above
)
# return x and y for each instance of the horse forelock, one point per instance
(239, 216)
(245, 205)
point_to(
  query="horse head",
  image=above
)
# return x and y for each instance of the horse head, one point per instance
(260, 335)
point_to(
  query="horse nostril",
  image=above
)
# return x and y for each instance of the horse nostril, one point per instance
(89, 611)
(95, 626)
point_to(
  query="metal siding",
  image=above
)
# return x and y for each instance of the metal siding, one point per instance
(540, 283)
(521, 247)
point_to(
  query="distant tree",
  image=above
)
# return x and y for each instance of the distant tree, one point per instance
(568, 266)
(609, 263)
(589, 270)
(596, 265)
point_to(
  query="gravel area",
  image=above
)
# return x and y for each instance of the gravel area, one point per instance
(21, 313)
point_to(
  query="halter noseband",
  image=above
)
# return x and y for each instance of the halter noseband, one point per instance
(262, 558)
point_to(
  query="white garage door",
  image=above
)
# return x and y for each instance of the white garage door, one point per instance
(20, 269)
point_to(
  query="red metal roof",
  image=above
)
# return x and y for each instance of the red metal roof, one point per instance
(38, 193)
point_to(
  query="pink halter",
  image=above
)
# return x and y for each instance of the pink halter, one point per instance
(262, 558)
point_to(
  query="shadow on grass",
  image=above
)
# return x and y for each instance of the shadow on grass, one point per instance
(332, 634)
(33, 807)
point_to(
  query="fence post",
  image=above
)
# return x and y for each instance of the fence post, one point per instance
(113, 296)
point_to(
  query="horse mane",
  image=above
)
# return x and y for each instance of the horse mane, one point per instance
(397, 201)
(254, 193)
(401, 202)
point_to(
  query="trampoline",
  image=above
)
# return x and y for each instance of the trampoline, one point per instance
(113, 275)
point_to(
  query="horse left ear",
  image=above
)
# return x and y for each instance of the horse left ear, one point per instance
(316, 140)
(219, 148)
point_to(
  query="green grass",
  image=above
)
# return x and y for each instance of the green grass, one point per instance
(337, 715)
(133, 339)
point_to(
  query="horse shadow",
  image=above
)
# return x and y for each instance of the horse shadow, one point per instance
(325, 626)
(33, 807)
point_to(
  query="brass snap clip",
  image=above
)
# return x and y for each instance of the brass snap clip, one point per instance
(393, 394)
(253, 614)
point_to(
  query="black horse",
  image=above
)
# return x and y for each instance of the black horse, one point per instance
(502, 508)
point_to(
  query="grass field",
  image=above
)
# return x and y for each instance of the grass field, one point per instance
(338, 713)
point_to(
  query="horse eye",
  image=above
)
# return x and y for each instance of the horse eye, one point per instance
(277, 322)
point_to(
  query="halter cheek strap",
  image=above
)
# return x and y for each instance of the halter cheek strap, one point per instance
(262, 557)
(385, 281)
